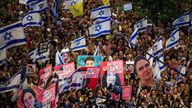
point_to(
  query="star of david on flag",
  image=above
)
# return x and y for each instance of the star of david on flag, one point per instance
(78, 44)
(182, 20)
(100, 28)
(173, 40)
(101, 13)
(12, 35)
(32, 19)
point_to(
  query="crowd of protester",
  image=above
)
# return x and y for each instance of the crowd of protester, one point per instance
(173, 90)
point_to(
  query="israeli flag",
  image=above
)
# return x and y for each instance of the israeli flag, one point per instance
(149, 56)
(141, 25)
(12, 84)
(32, 19)
(69, 3)
(12, 35)
(157, 47)
(133, 38)
(173, 40)
(39, 57)
(101, 13)
(182, 20)
(159, 66)
(78, 44)
(190, 25)
(38, 6)
(100, 28)
(58, 58)
(75, 81)
(55, 10)
(96, 51)
(3, 56)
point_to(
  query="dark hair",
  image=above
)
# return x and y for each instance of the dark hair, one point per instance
(28, 90)
(89, 58)
(139, 57)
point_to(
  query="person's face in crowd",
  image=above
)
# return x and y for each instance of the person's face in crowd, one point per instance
(90, 94)
(144, 70)
(89, 63)
(29, 100)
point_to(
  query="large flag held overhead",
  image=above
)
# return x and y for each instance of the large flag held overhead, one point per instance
(78, 44)
(141, 25)
(39, 57)
(101, 13)
(77, 9)
(3, 56)
(31, 19)
(173, 40)
(58, 58)
(182, 20)
(157, 47)
(12, 35)
(39, 5)
(149, 57)
(133, 38)
(100, 28)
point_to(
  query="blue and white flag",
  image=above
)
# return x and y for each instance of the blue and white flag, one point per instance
(96, 51)
(157, 47)
(100, 28)
(39, 57)
(69, 3)
(3, 56)
(75, 81)
(38, 6)
(32, 19)
(12, 35)
(127, 6)
(55, 10)
(159, 67)
(78, 44)
(133, 38)
(182, 20)
(141, 25)
(101, 13)
(58, 58)
(190, 25)
(149, 56)
(173, 40)
(12, 84)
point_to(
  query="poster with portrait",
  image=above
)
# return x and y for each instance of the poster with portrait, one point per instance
(112, 73)
(86, 60)
(31, 69)
(30, 97)
(129, 66)
(49, 97)
(126, 92)
(45, 73)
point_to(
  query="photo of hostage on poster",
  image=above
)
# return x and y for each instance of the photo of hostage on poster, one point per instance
(112, 76)
(143, 71)
(30, 98)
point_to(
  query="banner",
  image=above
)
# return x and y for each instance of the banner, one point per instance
(44, 75)
(126, 92)
(30, 97)
(112, 73)
(86, 60)
(49, 96)
(43, 47)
